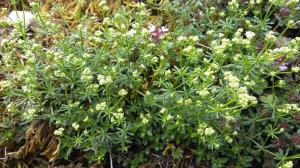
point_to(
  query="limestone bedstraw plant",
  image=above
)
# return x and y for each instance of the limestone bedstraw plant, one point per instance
(199, 84)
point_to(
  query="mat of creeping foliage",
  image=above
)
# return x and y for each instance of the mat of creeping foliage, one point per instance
(150, 83)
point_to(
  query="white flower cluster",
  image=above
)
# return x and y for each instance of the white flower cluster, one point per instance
(59, 73)
(209, 75)
(248, 82)
(191, 50)
(209, 131)
(250, 35)
(233, 4)
(29, 114)
(204, 129)
(239, 39)
(188, 49)
(288, 51)
(233, 81)
(228, 139)
(203, 92)
(135, 73)
(167, 117)
(181, 38)
(244, 98)
(281, 83)
(131, 33)
(295, 43)
(229, 117)
(86, 75)
(154, 60)
(184, 101)
(92, 88)
(59, 131)
(57, 56)
(253, 2)
(103, 80)
(74, 105)
(98, 33)
(75, 125)
(220, 48)
(288, 108)
(194, 38)
(145, 119)
(118, 116)
(140, 5)
(296, 69)
(122, 92)
(26, 89)
(210, 32)
(101, 106)
(270, 37)
(288, 164)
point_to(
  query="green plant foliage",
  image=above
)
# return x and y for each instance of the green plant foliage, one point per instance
(196, 78)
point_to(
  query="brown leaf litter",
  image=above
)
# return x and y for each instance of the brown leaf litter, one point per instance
(40, 142)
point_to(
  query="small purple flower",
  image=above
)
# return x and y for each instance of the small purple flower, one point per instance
(280, 59)
(157, 32)
(283, 67)
(284, 12)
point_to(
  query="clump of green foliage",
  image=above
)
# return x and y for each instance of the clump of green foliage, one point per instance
(218, 80)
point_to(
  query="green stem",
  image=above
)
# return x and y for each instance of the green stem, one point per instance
(262, 51)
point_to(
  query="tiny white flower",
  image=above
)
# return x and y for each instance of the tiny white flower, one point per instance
(75, 126)
(145, 120)
(59, 131)
(131, 32)
(181, 38)
(188, 49)
(249, 35)
(194, 38)
(168, 72)
(209, 131)
(288, 164)
(270, 36)
(122, 92)
(98, 33)
(296, 69)
(228, 139)
(101, 106)
(119, 110)
(203, 92)
(154, 59)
